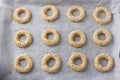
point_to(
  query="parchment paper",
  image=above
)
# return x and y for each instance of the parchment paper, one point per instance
(8, 49)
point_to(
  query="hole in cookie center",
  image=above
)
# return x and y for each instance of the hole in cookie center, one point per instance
(22, 38)
(75, 13)
(76, 38)
(23, 63)
(77, 61)
(22, 14)
(102, 36)
(49, 12)
(50, 36)
(104, 62)
(51, 62)
(102, 15)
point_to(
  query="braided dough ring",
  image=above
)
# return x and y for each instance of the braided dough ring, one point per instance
(75, 33)
(109, 65)
(108, 15)
(76, 18)
(51, 18)
(46, 58)
(50, 42)
(83, 58)
(26, 42)
(18, 11)
(106, 41)
(25, 69)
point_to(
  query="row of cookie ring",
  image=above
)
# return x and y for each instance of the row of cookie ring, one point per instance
(56, 38)
(55, 15)
(71, 62)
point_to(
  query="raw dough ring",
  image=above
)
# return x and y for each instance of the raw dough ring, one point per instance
(51, 18)
(109, 65)
(23, 44)
(18, 11)
(25, 69)
(75, 33)
(106, 41)
(46, 58)
(108, 15)
(76, 18)
(50, 42)
(83, 58)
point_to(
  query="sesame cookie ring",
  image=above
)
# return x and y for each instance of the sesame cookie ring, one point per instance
(26, 42)
(53, 17)
(50, 42)
(98, 65)
(74, 66)
(18, 12)
(46, 58)
(75, 18)
(108, 15)
(28, 66)
(100, 42)
(74, 34)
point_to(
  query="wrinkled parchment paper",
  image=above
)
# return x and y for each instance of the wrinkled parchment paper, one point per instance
(8, 49)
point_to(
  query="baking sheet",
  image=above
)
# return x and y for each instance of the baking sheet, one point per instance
(8, 49)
